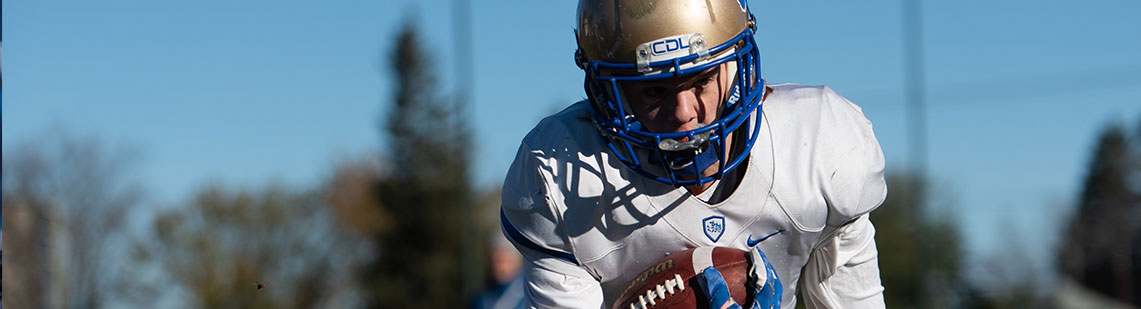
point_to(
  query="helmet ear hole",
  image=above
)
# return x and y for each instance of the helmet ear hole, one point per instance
(579, 59)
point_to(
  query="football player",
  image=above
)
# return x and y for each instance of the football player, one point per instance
(680, 144)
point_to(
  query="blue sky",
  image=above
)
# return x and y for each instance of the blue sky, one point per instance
(247, 93)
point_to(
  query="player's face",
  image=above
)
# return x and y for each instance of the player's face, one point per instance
(680, 103)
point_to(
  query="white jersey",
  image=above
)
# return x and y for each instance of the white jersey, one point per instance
(586, 224)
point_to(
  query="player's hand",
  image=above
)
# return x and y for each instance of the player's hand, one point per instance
(767, 289)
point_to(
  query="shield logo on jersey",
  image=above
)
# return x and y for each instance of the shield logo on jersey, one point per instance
(714, 226)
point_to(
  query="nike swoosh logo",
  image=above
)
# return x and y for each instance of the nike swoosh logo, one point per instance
(753, 243)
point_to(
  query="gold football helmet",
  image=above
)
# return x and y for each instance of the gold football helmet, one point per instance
(638, 40)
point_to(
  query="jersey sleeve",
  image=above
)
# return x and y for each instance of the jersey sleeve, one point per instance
(853, 163)
(553, 283)
(843, 272)
(531, 218)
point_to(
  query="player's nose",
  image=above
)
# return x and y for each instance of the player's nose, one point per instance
(685, 108)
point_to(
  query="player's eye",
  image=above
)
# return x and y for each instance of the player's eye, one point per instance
(706, 81)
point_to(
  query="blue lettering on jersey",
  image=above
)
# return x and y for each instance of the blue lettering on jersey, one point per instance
(714, 226)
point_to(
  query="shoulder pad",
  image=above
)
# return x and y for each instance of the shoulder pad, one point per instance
(854, 161)
(528, 217)
(829, 165)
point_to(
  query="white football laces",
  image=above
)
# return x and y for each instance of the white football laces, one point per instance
(659, 291)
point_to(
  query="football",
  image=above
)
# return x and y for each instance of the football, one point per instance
(671, 283)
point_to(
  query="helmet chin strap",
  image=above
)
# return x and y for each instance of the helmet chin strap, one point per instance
(692, 167)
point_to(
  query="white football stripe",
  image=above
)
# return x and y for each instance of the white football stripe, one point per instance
(702, 258)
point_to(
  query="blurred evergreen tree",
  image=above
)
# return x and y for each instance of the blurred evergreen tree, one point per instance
(420, 257)
(1101, 247)
(941, 276)
(936, 281)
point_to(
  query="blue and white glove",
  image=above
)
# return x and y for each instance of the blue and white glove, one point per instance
(767, 289)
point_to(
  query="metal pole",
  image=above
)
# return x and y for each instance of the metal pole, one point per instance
(461, 21)
(915, 81)
(915, 94)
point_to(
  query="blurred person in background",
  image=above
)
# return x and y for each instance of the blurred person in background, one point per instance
(506, 287)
